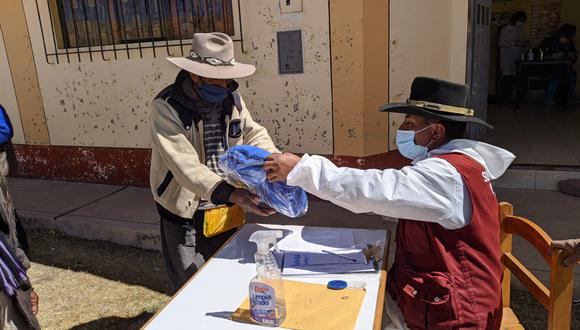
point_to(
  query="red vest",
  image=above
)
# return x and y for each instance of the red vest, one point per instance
(451, 279)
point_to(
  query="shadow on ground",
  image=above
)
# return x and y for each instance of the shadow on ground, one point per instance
(105, 259)
(114, 323)
(532, 315)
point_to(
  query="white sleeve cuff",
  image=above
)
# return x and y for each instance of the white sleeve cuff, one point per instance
(294, 175)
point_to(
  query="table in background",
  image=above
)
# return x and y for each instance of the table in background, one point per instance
(548, 70)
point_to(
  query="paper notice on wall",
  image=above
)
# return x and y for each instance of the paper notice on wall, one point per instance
(545, 20)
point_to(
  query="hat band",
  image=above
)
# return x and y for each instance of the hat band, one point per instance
(441, 107)
(209, 60)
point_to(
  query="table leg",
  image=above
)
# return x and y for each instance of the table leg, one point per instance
(565, 87)
(521, 89)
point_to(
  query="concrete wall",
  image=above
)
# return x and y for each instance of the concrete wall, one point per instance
(296, 108)
(570, 13)
(360, 75)
(430, 41)
(8, 95)
(105, 103)
(377, 47)
(19, 54)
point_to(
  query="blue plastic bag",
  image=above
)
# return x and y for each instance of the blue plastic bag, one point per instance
(243, 166)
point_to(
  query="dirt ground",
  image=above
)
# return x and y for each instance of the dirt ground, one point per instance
(93, 284)
(99, 285)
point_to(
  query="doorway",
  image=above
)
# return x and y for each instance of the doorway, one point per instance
(540, 131)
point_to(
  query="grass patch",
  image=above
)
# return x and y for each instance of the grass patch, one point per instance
(86, 284)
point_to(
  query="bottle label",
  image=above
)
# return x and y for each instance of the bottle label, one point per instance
(263, 303)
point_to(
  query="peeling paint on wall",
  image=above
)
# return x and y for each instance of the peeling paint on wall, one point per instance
(123, 166)
(296, 107)
(106, 103)
(8, 95)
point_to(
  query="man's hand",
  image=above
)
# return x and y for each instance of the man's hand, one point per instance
(34, 302)
(249, 202)
(278, 166)
(572, 246)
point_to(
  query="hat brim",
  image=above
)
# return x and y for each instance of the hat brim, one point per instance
(237, 70)
(412, 110)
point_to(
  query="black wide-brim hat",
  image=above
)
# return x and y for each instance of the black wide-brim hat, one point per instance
(437, 99)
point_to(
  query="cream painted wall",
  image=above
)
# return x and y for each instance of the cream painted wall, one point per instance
(20, 54)
(297, 107)
(360, 80)
(428, 42)
(7, 94)
(105, 103)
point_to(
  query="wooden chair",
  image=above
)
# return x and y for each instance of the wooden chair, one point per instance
(558, 299)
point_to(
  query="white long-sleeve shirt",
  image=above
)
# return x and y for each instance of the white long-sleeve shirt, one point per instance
(430, 190)
(510, 43)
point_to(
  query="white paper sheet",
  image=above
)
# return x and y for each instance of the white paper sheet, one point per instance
(303, 252)
(329, 269)
(301, 259)
(313, 239)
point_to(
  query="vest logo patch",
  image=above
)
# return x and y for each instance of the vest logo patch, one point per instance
(235, 130)
(487, 180)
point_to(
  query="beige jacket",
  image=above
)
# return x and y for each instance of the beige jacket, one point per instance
(181, 151)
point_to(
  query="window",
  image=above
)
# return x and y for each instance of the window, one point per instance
(88, 23)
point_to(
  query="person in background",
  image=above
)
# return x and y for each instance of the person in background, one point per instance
(511, 43)
(18, 301)
(560, 46)
(572, 247)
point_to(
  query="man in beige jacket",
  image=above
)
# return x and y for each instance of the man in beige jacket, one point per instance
(193, 122)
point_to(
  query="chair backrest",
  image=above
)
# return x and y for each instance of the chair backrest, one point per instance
(558, 299)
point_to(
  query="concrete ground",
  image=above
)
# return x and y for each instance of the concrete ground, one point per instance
(537, 134)
(127, 215)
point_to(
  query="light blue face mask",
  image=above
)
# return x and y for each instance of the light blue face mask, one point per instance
(406, 144)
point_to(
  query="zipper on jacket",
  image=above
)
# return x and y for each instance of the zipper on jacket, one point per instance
(163, 186)
(226, 138)
(201, 141)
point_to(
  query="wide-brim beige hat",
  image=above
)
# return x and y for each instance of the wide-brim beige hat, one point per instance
(212, 56)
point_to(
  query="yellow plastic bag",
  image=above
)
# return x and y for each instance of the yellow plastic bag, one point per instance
(222, 219)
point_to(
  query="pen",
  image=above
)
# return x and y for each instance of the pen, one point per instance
(339, 255)
(372, 258)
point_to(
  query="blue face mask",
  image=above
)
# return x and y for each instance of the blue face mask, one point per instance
(406, 144)
(213, 94)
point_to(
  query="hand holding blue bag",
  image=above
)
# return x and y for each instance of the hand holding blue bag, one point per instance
(243, 166)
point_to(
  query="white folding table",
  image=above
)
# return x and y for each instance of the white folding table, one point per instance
(219, 287)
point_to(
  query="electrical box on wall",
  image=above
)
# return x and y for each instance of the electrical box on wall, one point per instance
(290, 6)
(290, 58)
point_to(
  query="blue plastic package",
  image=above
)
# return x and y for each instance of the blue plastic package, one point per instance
(243, 166)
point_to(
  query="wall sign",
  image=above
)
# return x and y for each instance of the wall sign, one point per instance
(290, 58)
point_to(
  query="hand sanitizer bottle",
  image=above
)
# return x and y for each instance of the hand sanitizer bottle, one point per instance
(267, 304)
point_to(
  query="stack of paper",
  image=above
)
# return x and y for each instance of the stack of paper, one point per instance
(312, 251)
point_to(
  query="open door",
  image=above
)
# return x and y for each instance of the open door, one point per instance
(479, 19)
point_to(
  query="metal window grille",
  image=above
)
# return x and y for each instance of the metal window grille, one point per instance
(120, 26)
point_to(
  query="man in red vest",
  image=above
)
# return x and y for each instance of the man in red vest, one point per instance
(447, 269)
